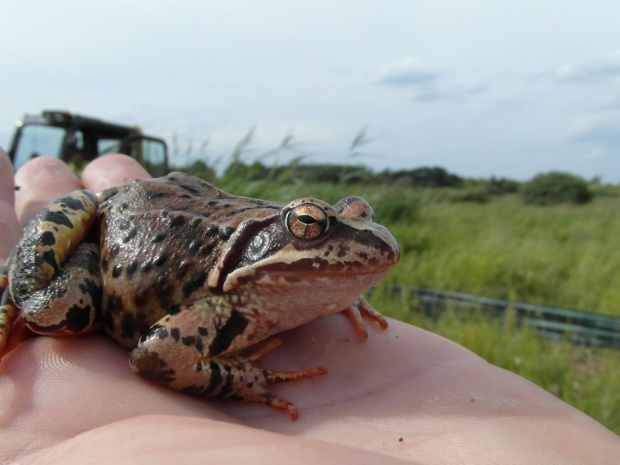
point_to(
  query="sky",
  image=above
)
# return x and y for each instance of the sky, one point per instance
(481, 88)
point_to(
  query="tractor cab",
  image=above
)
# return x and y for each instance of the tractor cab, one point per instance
(79, 139)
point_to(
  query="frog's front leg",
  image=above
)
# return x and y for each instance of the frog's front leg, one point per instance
(187, 350)
(362, 309)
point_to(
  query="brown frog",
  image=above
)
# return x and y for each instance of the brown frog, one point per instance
(189, 277)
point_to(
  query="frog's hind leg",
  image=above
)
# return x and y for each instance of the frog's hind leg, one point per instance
(186, 351)
(70, 305)
(49, 238)
(12, 329)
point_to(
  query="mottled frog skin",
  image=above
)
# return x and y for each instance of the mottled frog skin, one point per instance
(189, 277)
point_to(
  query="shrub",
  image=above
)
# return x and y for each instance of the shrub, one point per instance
(555, 187)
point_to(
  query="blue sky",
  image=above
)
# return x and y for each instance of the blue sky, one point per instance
(482, 88)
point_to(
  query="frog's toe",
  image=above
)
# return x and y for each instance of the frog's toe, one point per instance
(361, 309)
(257, 381)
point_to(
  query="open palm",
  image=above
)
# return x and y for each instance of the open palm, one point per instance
(405, 395)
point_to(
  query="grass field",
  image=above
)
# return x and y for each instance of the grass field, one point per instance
(564, 256)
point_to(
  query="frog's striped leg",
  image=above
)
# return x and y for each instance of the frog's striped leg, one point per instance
(47, 240)
(70, 305)
(185, 350)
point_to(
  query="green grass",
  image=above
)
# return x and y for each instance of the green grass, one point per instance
(564, 256)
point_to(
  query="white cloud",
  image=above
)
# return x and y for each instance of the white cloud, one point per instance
(603, 69)
(407, 72)
(601, 131)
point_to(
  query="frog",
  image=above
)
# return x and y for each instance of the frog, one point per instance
(193, 281)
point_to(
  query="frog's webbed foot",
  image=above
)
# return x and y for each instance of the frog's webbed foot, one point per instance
(181, 351)
(362, 309)
(12, 329)
(257, 387)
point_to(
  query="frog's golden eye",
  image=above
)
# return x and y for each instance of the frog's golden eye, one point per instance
(307, 221)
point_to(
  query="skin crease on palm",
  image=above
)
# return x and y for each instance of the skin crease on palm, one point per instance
(404, 396)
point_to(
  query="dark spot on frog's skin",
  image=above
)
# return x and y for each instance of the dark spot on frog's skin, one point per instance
(202, 331)
(193, 389)
(158, 331)
(199, 367)
(162, 287)
(216, 377)
(228, 383)
(176, 221)
(153, 195)
(268, 397)
(189, 189)
(210, 230)
(236, 398)
(127, 326)
(57, 218)
(146, 266)
(174, 310)
(124, 224)
(195, 282)
(93, 289)
(364, 215)
(48, 238)
(78, 318)
(362, 255)
(195, 223)
(185, 196)
(104, 263)
(158, 238)
(224, 232)
(234, 326)
(122, 207)
(195, 245)
(175, 333)
(116, 272)
(133, 266)
(116, 248)
(130, 236)
(149, 365)
(50, 258)
(250, 384)
(75, 204)
(342, 251)
(188, 340)
(160, 259)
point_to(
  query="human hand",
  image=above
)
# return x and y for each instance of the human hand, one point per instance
(404, 396)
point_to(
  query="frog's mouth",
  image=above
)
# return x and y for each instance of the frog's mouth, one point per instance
(304, 280)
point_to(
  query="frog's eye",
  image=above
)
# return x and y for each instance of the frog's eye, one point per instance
(307, 221)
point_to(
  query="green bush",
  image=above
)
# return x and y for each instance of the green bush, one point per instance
(555, 187)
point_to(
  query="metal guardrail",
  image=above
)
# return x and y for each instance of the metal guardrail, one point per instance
(558, 323)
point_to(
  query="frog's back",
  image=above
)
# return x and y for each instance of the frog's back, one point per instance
(159, 239)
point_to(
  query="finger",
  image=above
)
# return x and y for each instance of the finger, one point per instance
(40, 181)
(9, 227)
(112, 170)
